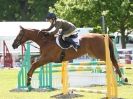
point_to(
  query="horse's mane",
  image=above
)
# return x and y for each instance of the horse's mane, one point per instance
(45, 35)
(39, 33)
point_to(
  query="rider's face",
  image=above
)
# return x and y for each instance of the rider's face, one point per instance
(49, 20)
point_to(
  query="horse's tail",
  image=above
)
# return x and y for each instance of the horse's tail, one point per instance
(112, 52)
(111, 48)
(113, 58)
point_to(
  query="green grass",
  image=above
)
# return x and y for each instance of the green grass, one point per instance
(8, 81)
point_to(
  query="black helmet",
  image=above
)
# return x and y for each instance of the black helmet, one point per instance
(51, 16)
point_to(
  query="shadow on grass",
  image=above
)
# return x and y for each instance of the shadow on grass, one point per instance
(66, 96)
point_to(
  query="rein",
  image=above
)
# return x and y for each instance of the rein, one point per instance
(34, 46)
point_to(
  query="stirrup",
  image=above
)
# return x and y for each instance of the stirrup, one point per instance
(75, 48)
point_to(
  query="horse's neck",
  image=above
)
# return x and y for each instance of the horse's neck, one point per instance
(40, 40)
(33, 36)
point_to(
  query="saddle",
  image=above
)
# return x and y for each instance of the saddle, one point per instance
(64, 44)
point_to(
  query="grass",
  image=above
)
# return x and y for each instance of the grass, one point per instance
(8, 81)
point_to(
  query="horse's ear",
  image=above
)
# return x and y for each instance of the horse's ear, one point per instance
(21, 27)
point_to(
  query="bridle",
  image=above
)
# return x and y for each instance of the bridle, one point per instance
(19, 40)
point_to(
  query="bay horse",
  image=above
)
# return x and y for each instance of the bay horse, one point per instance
(90, 43)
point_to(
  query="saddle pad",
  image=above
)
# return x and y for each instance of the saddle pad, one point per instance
(65, 45)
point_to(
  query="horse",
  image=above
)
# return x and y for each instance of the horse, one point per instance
(90, 43)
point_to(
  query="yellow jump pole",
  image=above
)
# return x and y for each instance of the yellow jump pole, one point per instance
(110, 76)
(64, 78)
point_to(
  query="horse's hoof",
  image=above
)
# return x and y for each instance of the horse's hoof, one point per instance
(28, 84)
(126, 80)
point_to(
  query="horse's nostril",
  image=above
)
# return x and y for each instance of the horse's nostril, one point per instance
(13, 45)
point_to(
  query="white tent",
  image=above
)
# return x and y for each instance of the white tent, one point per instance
(12, 28)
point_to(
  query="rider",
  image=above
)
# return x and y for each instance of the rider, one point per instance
(68, 28)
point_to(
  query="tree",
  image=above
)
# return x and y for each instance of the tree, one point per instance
(76, 11)
(7, 10)
(24, 10)
(119, 15)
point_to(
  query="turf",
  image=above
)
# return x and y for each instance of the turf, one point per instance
(8, 81)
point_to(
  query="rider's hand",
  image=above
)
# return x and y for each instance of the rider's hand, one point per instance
(47, 33)
(43, 31)
(39, 32)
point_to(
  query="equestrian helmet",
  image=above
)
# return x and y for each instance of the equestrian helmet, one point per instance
(51, 16)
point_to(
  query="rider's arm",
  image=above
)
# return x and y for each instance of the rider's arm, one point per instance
(48, 29)
(57, 27)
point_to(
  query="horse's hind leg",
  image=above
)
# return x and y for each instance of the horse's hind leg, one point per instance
(115, 64)
(114, 61)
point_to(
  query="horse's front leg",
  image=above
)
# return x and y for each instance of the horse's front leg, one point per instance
(34, 66)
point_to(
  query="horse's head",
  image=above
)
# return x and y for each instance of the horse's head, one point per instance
(20, 39)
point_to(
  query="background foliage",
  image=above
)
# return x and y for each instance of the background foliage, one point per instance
(83, 13)
(24, 10)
